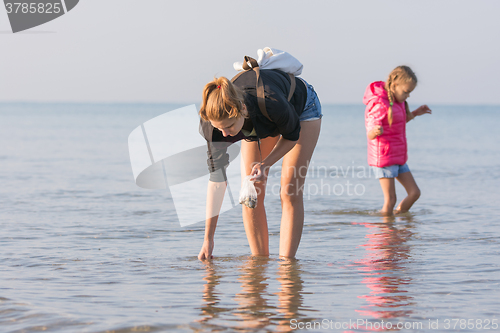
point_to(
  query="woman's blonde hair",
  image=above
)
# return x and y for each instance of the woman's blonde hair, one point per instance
(221, 100)
(399, 75)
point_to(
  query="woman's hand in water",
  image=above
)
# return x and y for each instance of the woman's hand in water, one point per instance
(206, 250)
(423, 109)
(257, 173)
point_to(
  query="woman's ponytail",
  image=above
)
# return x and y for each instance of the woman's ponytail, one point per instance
(221, 100)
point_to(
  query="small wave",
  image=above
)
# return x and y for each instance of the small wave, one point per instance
(145, 212)
(349, 212)
(127, 195)
(372, 212)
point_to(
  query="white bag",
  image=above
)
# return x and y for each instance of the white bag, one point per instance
(248, 193)
(269, 58)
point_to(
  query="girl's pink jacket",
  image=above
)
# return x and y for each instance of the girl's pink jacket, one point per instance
(389, 148)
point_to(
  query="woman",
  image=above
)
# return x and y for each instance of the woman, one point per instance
(288, 127)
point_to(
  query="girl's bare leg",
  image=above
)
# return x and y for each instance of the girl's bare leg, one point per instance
(254, 219)
(293, 175)
(406, 179)
(389, 190)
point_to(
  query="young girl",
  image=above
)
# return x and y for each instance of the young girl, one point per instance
(386, 115)
(230, 112)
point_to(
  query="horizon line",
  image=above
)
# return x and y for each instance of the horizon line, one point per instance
(198, 103)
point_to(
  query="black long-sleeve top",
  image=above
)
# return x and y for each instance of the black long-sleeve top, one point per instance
(284, 117)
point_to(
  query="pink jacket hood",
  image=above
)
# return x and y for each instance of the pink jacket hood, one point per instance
(389, 148)
(375, 92)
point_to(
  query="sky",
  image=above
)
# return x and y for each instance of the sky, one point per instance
(161, 51)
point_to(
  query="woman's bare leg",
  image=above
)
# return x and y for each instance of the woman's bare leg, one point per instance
(254, 219)
(406, 179)
(293, 175)
(389, 190)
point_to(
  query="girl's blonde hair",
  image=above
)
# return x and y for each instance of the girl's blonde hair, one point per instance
(221, 100)
(399, 75)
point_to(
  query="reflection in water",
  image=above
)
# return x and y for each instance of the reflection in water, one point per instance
(256, 304)
(210, 310)
(383, 269)
(290, 295)
(253, 309)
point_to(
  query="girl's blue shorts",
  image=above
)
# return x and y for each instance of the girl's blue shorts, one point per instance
(391, 171)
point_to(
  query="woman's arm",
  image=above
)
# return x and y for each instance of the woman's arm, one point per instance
(215, 196)
(282, 147)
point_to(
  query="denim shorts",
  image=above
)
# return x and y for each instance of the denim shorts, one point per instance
(312, 110)
(391, 171)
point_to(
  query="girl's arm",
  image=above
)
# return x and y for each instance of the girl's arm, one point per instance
(373, 120)
(282, 147)
(215, 195)
(421, 110)
(376, 131)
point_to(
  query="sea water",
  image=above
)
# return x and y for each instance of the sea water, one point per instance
(83, 249)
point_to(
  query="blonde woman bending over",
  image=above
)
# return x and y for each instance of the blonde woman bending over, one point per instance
(230, 112)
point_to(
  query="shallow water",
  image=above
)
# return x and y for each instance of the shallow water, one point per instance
(83, 249)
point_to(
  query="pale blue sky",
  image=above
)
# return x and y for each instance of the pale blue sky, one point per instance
(165, 51)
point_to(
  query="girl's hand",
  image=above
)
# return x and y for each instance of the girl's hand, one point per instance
(257, 173)
(206, 250)
(374, 132)
(378, 130)
(423, 109)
